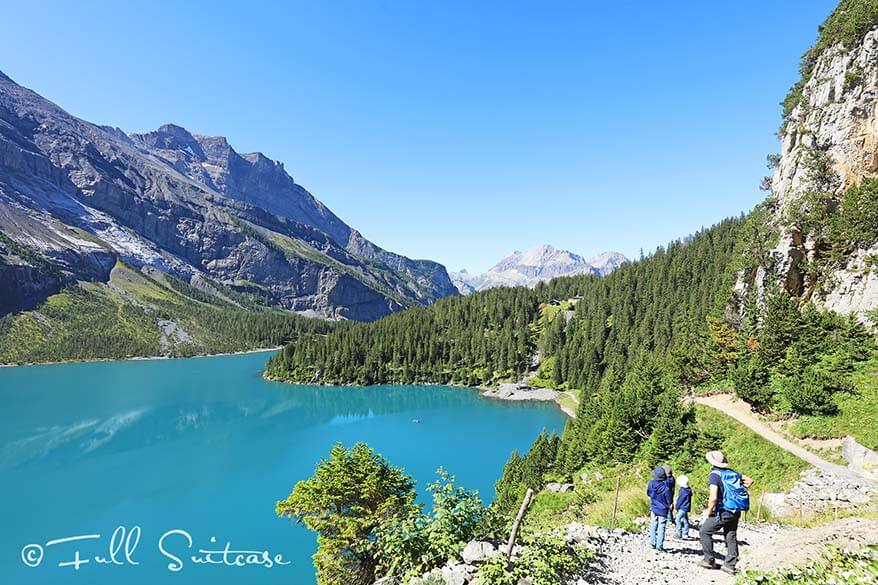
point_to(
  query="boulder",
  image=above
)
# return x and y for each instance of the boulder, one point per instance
(860, 459)
(455, 574)
(776, 504)
(478, 551)
(430, 578)
(516, 549)
(559, 488)
(580, 533)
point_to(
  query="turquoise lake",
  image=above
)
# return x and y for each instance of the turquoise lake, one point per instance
(206, 446)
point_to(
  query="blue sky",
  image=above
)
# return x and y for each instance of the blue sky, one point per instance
(456, 131)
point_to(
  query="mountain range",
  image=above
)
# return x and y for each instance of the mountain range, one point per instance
(78, 200)
(537, 264)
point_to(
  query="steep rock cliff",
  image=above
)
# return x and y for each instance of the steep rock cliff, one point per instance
(829, 148)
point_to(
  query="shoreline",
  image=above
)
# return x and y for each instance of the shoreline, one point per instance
(506, 391)
(510, 395)
(144, 358)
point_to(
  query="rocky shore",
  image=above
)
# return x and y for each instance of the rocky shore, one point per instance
(521, 391)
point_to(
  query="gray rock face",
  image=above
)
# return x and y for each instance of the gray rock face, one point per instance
(79, 196)
(538, 264)
(839, 111)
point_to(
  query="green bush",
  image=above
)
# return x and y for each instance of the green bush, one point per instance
(412, 544)
(545, 561)
(811, 390)
(750, 378)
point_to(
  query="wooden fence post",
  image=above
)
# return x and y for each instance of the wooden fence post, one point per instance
(759, 507)
(517, 524)
(616, 503)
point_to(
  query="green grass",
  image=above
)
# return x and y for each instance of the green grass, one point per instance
(543, 377)
(856, 414)
(549, 510)
(772, 468)
(570, 400)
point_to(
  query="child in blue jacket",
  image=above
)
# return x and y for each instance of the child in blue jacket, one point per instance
(683, 506)
(660, 503)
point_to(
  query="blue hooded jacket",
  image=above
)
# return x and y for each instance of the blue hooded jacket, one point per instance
(684, 500)
(660, 497)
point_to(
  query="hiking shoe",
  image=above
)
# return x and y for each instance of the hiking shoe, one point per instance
(728, 569)
(706, 564)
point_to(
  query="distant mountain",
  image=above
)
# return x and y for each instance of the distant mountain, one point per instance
(538, 264)
(77, 198)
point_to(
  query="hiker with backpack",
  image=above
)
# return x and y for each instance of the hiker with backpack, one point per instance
(728, 498)
(660, 503)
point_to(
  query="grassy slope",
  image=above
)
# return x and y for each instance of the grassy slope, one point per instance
(771, 467)
(293, 249)
(856, 412)
(94, 321)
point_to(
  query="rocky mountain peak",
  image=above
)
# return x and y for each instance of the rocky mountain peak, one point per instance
(216, 148)
(187, 205)
(607, 262)
(171, 137)
(537, 264)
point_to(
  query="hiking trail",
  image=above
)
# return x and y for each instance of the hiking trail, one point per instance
(743, 413)
(627, 559)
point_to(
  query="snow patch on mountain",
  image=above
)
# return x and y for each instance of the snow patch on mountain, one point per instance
(534, 265)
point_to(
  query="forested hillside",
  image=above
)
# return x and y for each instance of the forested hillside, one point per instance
(778, 306)
(493, 335)
(141, 315)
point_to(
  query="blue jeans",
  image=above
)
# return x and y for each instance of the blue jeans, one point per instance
(682, 524)
(657, 526)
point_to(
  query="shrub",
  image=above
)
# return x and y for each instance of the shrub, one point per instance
(544, 561)
(750, 378)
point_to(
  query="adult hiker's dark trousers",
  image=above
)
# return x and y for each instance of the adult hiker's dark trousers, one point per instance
(728, 524)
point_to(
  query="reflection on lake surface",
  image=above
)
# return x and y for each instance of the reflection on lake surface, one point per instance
(207, 446)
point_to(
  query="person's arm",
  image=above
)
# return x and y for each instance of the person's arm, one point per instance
(711, 499)
(747, 481)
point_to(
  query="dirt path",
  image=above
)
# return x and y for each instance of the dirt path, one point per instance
(741, 411)
(627, 559)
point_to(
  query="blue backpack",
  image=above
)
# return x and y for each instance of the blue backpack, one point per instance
(736, 498)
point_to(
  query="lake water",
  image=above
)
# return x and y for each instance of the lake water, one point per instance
(206, 446)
